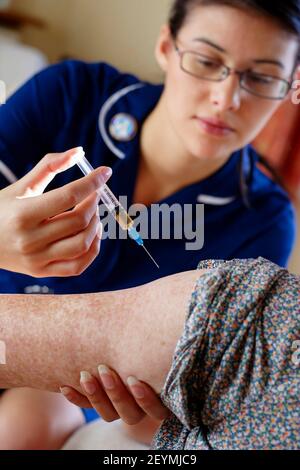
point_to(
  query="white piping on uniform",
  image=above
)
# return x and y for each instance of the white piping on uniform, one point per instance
(215, 201)
(7, 173)
(102, 116)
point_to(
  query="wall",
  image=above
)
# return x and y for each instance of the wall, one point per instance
(122, 32)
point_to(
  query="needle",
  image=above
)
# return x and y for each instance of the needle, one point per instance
(150, 256)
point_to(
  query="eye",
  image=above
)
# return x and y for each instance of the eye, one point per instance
(260, 79)
(207, 63)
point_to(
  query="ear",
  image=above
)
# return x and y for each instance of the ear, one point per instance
(164, 47)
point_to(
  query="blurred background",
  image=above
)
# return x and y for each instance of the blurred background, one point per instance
(35, 33)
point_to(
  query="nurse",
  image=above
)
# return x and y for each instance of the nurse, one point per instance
(227, 67)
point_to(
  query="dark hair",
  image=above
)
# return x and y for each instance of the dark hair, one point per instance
(285, 12)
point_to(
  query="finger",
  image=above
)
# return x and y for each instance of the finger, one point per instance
(97, 397)
(62, 226)
(69, 248)
(122, 400)
(147, 399)
(75, 397)
(73, 267)
(36, 181)
(62, 199)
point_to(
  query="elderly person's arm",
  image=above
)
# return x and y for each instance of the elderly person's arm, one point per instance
(50, 339)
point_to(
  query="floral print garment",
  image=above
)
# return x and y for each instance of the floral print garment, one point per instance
(234, 381)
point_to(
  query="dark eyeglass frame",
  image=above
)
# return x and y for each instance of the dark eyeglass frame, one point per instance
(230, 70)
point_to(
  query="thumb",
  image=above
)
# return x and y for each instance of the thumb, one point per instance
(36, 181)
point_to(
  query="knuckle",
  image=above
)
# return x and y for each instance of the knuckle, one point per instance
(48, 163)
(24, 246)
(69, 199)
(47, 160)
(81, 220)
(76, 271)
(83, 245)
(19, 223)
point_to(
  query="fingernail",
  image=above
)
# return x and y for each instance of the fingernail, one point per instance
(100, 230)
(106, 377)
(106, 173)
(78, 153)
(86, 382)
(65, 391)
(137, 391)
(77, 149)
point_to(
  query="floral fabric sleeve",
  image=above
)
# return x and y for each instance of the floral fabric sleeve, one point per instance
(234, 381)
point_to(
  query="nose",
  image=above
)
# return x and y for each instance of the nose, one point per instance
(226, 95)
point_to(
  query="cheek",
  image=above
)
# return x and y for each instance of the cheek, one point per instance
(186, 96)
(255, 117)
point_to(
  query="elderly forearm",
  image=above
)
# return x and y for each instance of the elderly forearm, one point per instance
(50, 339)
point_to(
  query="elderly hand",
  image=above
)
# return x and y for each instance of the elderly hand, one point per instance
(108, 395)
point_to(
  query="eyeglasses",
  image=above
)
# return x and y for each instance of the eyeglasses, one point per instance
(205, 68)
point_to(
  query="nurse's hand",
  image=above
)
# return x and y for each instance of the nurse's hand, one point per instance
(40, 235)
(108, 395)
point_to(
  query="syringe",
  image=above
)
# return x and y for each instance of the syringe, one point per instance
(113, 205)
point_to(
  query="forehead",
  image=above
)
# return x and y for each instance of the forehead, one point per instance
(240, 32)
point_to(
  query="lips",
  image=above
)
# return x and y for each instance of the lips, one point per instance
(216, 123)
(214, 127)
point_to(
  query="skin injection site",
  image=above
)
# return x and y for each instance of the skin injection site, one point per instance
(150, 228)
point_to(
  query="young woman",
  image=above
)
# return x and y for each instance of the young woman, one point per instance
(228, 65)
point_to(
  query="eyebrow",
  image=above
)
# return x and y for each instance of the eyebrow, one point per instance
(221, 49)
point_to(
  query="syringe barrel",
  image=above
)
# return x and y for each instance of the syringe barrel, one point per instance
(84, 164)
(107, 196)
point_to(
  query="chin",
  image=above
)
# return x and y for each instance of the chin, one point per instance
(204, 151)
